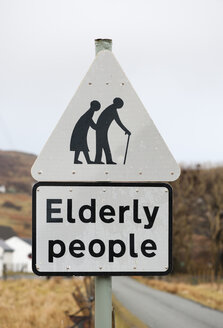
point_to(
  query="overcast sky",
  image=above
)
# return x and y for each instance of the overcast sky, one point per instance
(171, 51)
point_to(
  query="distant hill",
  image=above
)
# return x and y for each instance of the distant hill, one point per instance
(16, 212)
(15, 204)
(197, 210)
(15, 171)
(198, 219)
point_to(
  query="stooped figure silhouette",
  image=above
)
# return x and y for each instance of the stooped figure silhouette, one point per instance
(108, 115)
(78, 141)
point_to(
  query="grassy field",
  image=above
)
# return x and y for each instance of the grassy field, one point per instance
(208, 294)
(36, 303)
(40, 303)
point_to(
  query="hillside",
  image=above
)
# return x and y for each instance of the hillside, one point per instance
(16, 212)
(15, 171)
(15, 204)
(197, 210)
(198, 220)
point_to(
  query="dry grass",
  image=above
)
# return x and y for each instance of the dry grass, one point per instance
(40, 303)
(36, 303)
(208, 294)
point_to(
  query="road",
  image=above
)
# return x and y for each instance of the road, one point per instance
(163, 310)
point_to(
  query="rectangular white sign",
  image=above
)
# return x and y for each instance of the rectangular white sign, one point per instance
(102, 228)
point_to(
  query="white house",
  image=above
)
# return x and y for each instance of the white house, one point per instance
(2, 189)
(1, 261)
(6, 254)
(22, 255)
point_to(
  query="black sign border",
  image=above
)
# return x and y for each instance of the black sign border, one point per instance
(100, 184)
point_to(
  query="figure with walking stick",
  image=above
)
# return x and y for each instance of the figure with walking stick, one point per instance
(109, 115)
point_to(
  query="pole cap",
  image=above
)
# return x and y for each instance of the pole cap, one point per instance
(102, 44)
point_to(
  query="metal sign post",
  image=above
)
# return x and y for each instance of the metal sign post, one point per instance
(103, 285)
(103, 302)
(121, 224)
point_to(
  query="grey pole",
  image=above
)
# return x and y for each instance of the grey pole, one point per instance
(103, 302)
(103, 284)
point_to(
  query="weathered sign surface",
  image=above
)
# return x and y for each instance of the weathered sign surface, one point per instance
(101, 228)
(105, 134)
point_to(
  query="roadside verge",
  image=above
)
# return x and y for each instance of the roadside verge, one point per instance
(124, 318)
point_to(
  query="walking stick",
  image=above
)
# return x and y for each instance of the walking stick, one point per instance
(126, 148)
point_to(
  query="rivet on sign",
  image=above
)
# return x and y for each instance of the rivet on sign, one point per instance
(68, 267)
(107, 83)
(106, 172)
(70, 190)
(122, 83)
(134, 267)
(140, 173)
(104, 190)
(40, 172)
(100, 268)
(38, 189)
(90, 83)
(73, 172)
(172, 173)
(137, 190)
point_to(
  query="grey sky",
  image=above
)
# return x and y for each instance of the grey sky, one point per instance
(171, 51)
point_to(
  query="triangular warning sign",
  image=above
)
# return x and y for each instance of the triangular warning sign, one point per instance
(105, 134)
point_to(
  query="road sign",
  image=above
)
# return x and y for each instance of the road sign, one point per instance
(105, 134)
(101, 228)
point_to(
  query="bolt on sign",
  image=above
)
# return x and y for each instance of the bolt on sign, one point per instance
(101, 228)
(120, 224)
